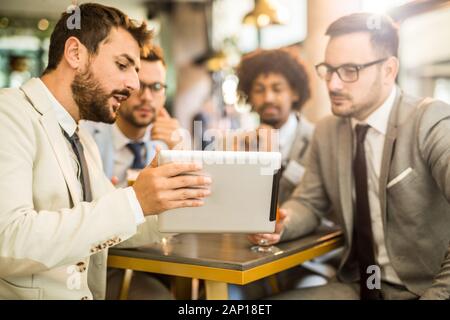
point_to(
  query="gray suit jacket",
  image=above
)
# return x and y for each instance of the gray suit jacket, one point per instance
(415, 209)
(301, 143)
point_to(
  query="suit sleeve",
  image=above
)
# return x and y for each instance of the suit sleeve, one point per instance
(147, 233)
(434, 142)
(31, 240)
(309, 202)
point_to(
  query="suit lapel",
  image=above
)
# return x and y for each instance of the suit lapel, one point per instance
(42, 104)
(298, 145)
(301, 141)
(388, 149)
(344, 145)
(59, 145)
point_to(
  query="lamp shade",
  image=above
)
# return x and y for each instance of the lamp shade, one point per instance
(265, 12)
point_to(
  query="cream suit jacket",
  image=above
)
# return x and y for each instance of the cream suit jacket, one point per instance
(52, 246)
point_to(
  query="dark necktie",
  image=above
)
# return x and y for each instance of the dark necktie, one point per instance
(136, 149)
(363, 238)
(84, 176)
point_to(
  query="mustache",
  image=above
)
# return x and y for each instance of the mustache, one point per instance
(123, 92)
(140, 106)
(336, 94)
(267, 105)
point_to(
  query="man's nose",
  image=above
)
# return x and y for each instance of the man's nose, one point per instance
(269, 96)
(132, 81)
(335, 83)
(146, 94)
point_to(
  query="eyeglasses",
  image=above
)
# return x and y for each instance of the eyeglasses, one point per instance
(155, 87)
(348, 72)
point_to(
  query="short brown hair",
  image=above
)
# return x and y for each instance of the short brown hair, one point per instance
(278, 61)
(154, 54)
(96, 23)
(382, 29)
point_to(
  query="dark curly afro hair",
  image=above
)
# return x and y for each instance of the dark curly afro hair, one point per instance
(278, 61)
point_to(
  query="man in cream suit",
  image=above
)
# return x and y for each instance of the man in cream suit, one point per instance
(142, 123)
(382, 165)
(58, 211)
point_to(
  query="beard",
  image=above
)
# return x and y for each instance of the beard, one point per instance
(129, 116)
(356, 109)
(92, 99)
(273, 120)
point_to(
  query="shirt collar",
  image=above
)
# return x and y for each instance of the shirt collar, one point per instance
(120, 140)
(380, 117)
(63, 117)
(288, 129)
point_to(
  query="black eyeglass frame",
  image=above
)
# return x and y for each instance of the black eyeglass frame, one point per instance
(358, 68)
(154, 87)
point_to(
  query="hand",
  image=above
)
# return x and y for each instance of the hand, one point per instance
(162, 188)
(270, 238)
(236, 142)
(242, 141)
(165, 129)
(265, 134)
(255, 140)
(114, 180)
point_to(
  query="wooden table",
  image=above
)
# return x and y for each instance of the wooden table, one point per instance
(220, 259)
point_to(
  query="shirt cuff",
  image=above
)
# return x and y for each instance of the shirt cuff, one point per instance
(134, 203)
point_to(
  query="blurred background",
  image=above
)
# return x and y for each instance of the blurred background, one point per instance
(203, 41)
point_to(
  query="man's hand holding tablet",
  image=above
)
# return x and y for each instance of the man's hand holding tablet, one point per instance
(170, 186)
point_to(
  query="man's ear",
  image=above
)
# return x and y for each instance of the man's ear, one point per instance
(75, 53)
(391, 70)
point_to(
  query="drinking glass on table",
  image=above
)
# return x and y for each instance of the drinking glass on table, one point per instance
(132, 175)
(263, 244)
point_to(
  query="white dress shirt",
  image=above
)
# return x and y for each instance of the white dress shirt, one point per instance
(374, 144)
(123, 157)
(287, 136)
(69, 125)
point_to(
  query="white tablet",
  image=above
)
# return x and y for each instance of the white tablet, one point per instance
(243, 198)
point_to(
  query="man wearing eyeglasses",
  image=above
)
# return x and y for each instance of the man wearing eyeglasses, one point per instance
(381, 164)
(142, 123)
